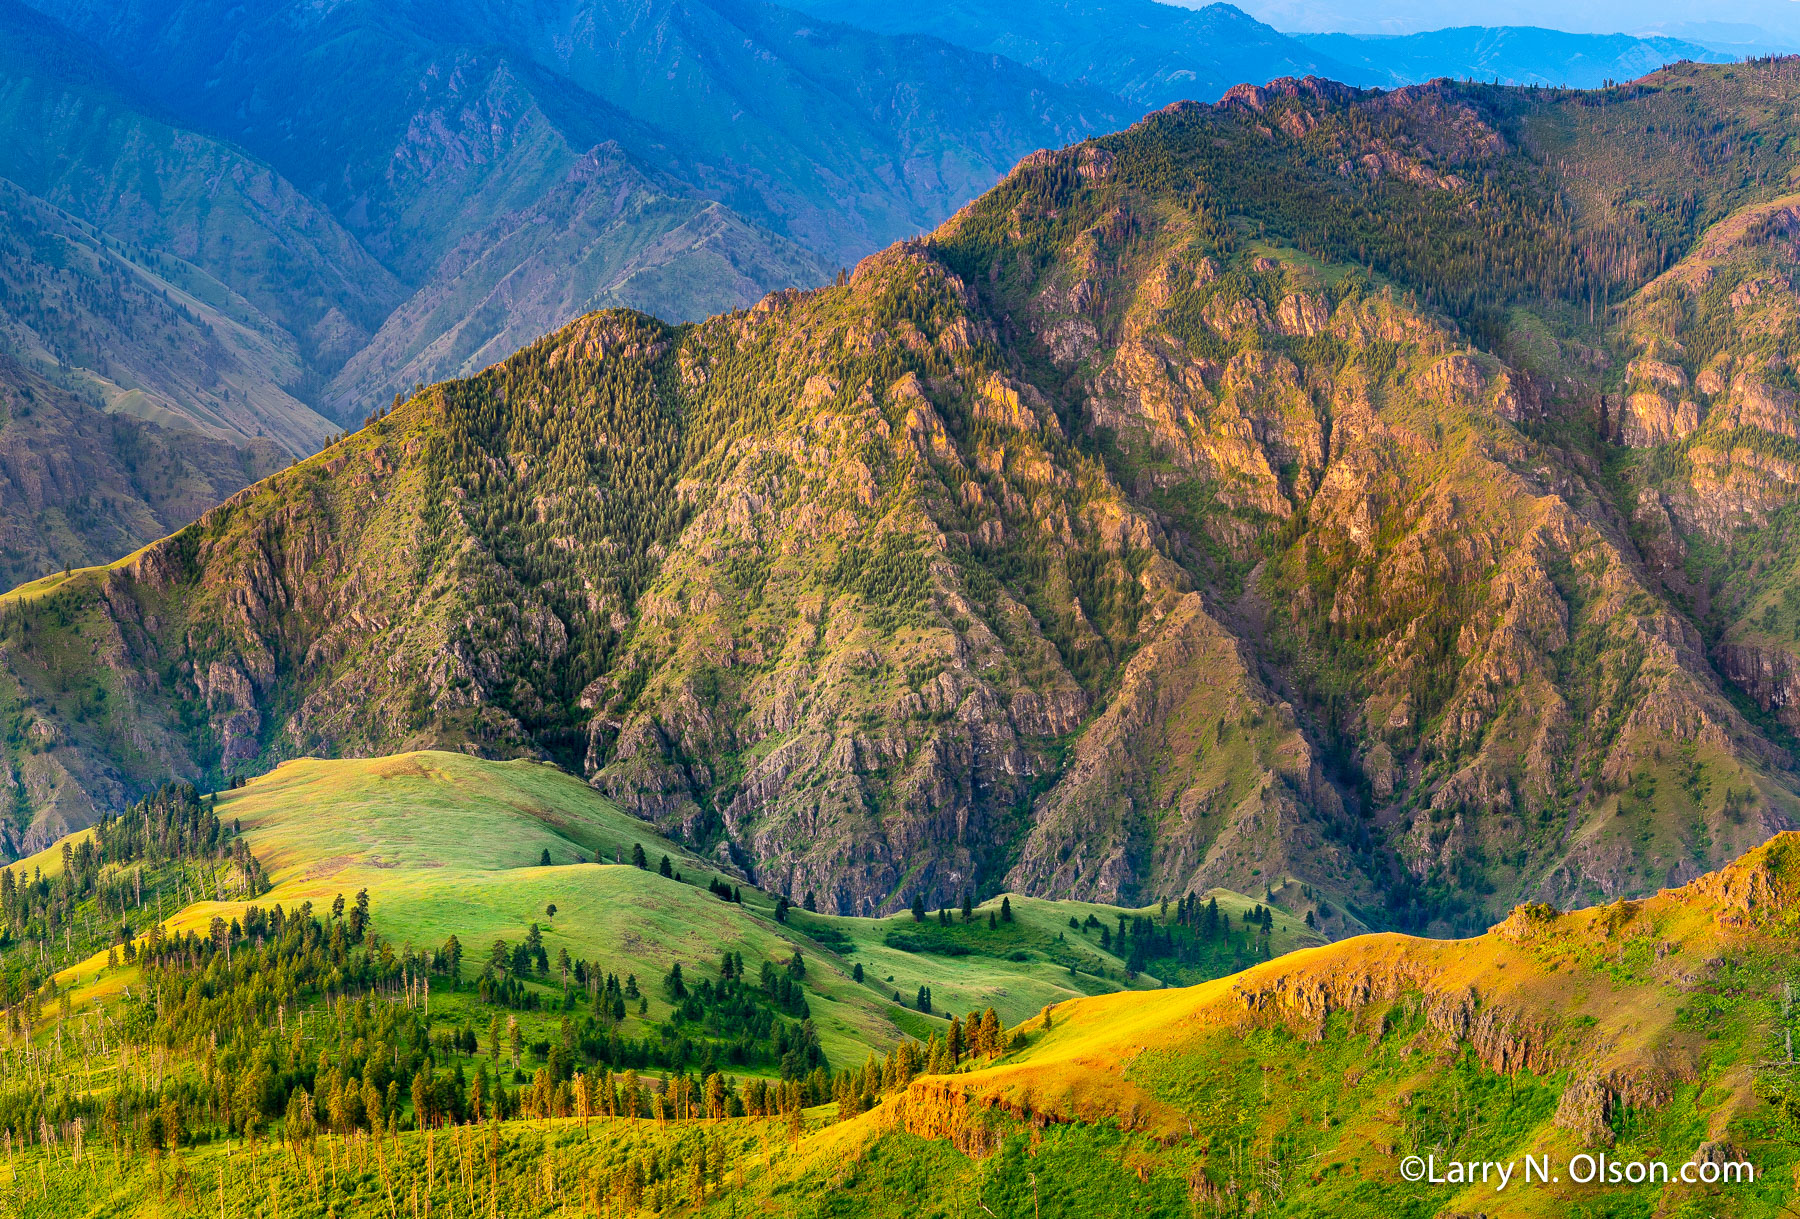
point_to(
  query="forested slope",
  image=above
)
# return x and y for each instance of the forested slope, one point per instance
(1235, 500)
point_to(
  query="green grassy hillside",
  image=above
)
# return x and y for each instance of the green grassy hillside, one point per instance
(446, 844)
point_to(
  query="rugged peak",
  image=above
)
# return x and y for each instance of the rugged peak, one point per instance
(1257, 97)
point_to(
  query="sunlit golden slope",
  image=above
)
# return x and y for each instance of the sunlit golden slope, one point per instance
(1645, 1027)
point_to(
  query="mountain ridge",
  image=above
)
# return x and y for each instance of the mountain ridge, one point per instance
(873, 598)
(277, 220)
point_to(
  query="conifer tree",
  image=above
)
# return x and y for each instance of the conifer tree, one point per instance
(453, 957)
(990, 1032)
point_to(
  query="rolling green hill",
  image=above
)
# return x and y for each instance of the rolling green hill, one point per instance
(445, 844)
(1650, 1031)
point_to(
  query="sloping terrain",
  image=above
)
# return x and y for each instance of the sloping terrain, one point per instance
(1641, 1031)
(608, 235)
(1510, 55)
(1222, 503)
(171, 273)
(84, 140)
(448, 845)
(1649, 1038)
(255, 223)
(1151, 54)
(78, 485)
(171, 345)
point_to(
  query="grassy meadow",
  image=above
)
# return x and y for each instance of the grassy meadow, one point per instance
(448, 844)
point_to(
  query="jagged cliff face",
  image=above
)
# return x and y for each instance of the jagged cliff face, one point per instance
(1710, 405)
(1374, 515)
(1203, 506)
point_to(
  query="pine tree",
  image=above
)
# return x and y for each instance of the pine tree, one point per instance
(1006, 909)
(918, 907)
(990, 1032)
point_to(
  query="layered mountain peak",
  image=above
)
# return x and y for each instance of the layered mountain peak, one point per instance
(1202, 506)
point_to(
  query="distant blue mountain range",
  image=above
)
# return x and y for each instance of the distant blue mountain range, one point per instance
(1508, 55)
(1152, 53)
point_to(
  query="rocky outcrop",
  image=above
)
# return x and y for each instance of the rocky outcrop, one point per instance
(1590, 1102)
(1123, 825)
(1647, 418)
